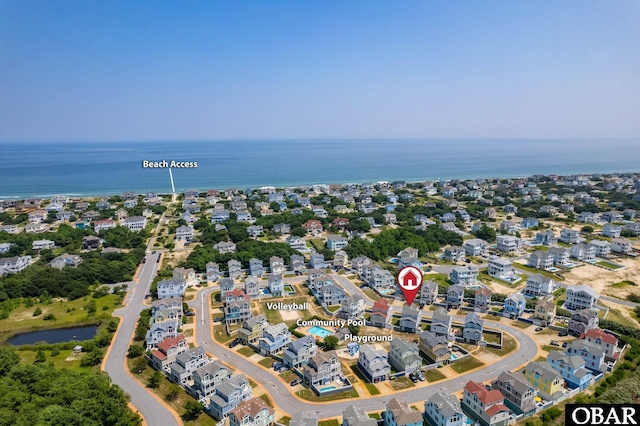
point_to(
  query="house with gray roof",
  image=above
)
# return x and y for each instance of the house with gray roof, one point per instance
(571, 368)
(276, 285)
(410, 320)
(540, 259)
(352, 307)
(256, 268)
(212, 271)
(186, 363)
(592, 354)
(560, 255)
(234, 268)
(354, 416)
(582, 321)
(455, 296)
(405, 355)
(252, 286)
(300, 351)
(428, 292)
(373, 363)
(476, 247)
(228, 396)
(539, 286)
(464, 275)
(514, 305)
(398, 413)
(322, 368)
(602, 248)
(580, 297)
(443, 409)
(252, 329)
(583, 252)
(274, 338)
(208, 377)
(441, 324)
(519, 394)
(548, 382)
(473, 327)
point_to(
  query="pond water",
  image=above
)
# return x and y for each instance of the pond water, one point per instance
(54, 336)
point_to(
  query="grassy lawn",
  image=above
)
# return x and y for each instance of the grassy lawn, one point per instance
(333, 422)
(495, 318)
(273, 316)
(67, 314)
(220, 333)
(317, 243)
(508, 345)
(289, 376)
(550, 348)
(246, 351)
(466, 364)
(373, 390)
(267, 362)
(309, 395)
(267, 400)
(401, 383)
(59, 361)
(541, 359)
(333, 308)
(533, 271)
(284, 420)
(372, 294)
(608, 264)
(491, 337)
(178, 403)
(521, 324)
(434, 375)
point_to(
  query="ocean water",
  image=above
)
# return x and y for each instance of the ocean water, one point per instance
(44, 169)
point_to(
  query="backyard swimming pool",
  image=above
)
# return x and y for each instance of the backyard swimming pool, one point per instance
(319, 331)
(328, 388)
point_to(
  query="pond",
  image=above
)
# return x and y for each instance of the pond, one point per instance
(54, 336)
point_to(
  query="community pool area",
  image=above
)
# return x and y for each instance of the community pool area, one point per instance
(319, 331)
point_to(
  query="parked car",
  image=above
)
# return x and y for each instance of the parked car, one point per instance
(413, 378)
(189, 313)
(234, 343)
(538, 328)
(554, 343)
(276, 365)
(296, 382)
(564, 345)
(563, 334)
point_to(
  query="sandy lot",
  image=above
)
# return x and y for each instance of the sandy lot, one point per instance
(290, 315)
(601, 279)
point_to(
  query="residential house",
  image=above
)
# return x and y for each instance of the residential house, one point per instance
(592, 354)
(546, 238)
(441, 324)
(297, 263)
(519, 394)
(583, 321)
(336, 242)
(380, 313)
(560, 255)
(547, 381)
(226, 285)
(621, 245)
(514, 305)
(611, 230)
(602, 248)
(464, 275)
(373, 363)
(234, 268)
(208, 377)
(313, 226)
(224, 247)
(359, 263)
(167, 350)
(443, 409)
(580, 297)
(612, 216)
(276, 265)
(605, 341)
(170, 288)
(544, 312)
(188, 275)
(276, 285)
(353, 416)
(299, 352)
(90, 242)
(405, 355)
(476, 247)
(410, 319)
(473, 327)
(428, 292)
(435, 348)
(341, 259)
(101, 225)
(482, 300)
(252, 329)
(509, 227)
(297, 243)
(254, 231)
(274, 339)
(281, 228)
(252, 412)
(571, 368)
(508, 243)
(398, 413)
(64, 215)
(454, 254)
(529, 222)
(37, 216)
(455, 296)
(316, 261)
(256, 268)
(570, 236)
(583, 252)
(499, 267)
(228, 396)
(158, 331)
(484, 406)
(352, 307)
(63, 260)
(42, 245)
(245, 216)
(212, 271)
(252, 286)
(13, 265)
(184, 233)
(540, 259)
(135, 223)
(322, 368)
(340, 222)
(237, 307)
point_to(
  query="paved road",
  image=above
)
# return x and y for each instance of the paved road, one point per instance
(286, 401)
(149, 407)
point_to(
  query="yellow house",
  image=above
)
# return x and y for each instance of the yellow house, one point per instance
(544, 378)
(545, 312)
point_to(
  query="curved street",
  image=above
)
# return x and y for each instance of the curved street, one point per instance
(287, 402)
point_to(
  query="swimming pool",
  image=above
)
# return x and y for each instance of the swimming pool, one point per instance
(328, 388)
(319, 331)
(454, 356)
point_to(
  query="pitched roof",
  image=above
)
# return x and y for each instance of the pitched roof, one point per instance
(486, 396)
(402, 413)
(168, 342)
(251, 407)
(596, 333)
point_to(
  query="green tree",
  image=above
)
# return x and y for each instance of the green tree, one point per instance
(172, 392)
(37, 312)
(154, 380)
(330, 342)
(135, 351)
(40, 357)
(139, 365)
(299, 231)
(486, 233)
(8, 358)
(192, 410)
(587, 229)
(55, 351)
(354, 329)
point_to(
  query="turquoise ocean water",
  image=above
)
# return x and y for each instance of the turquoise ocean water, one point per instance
(44, 169)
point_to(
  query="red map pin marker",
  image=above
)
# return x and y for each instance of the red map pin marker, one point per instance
(410, 280)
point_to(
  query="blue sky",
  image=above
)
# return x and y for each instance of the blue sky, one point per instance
(122, 70)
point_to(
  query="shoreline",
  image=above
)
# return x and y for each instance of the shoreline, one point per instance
(160, 192)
